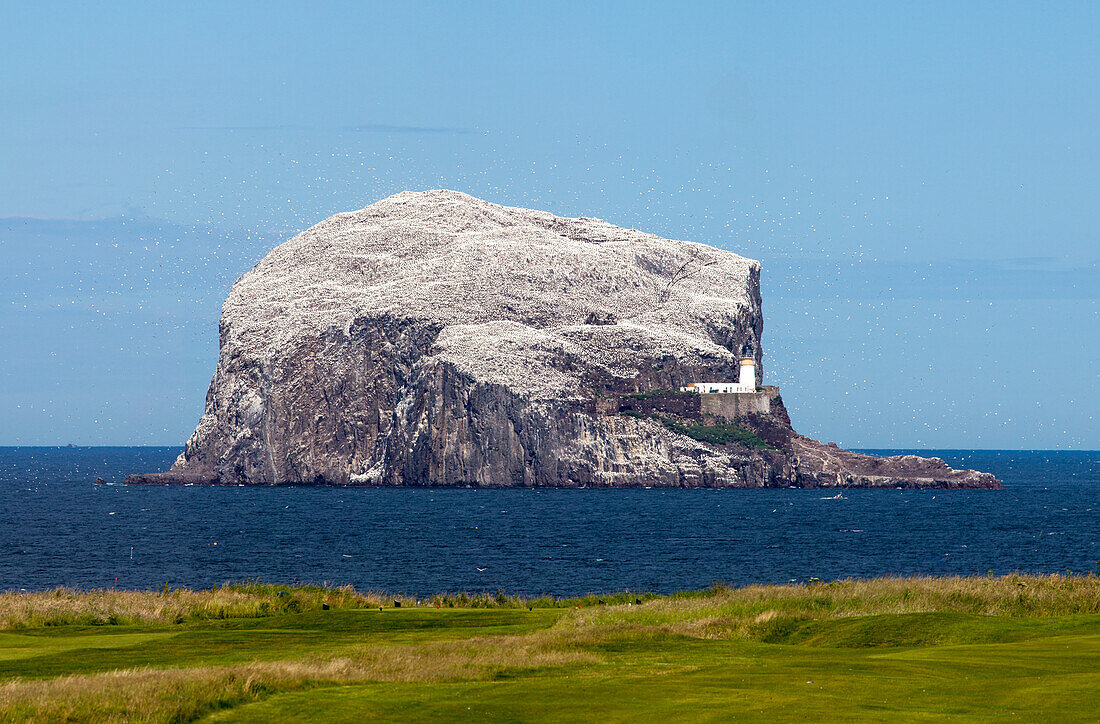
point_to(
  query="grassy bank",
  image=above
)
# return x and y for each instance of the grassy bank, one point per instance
(1014, 647)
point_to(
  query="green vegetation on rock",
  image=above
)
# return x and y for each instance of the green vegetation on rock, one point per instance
(655, 393)
(720, 434)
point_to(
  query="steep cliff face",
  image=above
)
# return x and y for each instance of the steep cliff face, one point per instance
(436, 339)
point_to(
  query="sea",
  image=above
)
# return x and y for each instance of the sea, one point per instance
(58, 528)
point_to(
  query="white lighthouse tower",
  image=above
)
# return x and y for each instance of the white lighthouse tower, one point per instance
(747, 380)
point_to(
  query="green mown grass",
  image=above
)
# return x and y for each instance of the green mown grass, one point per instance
(1048, 679)
(1008, 648)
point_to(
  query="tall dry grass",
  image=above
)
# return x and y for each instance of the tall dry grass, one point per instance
(1014, 595)
(173, 695)
(723, 611)
(66, 606)
(62, 606)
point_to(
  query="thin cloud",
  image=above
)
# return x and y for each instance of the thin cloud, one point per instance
(362, 128)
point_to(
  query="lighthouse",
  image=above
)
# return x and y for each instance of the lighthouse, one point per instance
(747, 380)
(745, 384)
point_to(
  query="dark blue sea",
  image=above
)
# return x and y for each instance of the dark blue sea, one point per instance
(57, 528)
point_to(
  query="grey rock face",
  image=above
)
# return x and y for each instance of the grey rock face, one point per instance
(436, 339)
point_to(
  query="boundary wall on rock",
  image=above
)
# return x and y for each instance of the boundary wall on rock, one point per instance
(728, 406)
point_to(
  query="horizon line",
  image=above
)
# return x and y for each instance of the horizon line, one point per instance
(73, 446)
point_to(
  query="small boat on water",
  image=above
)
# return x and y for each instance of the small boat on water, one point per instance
(838, 496)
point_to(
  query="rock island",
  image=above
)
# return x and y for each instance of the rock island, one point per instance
(434, 339)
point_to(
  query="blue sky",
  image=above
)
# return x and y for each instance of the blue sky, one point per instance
(919, 180)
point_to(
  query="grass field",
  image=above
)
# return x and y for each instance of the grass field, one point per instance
(1013, 648)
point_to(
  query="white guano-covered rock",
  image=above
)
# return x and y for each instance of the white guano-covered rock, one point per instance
(436, 339)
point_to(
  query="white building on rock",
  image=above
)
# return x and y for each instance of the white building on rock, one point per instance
(746, 383)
